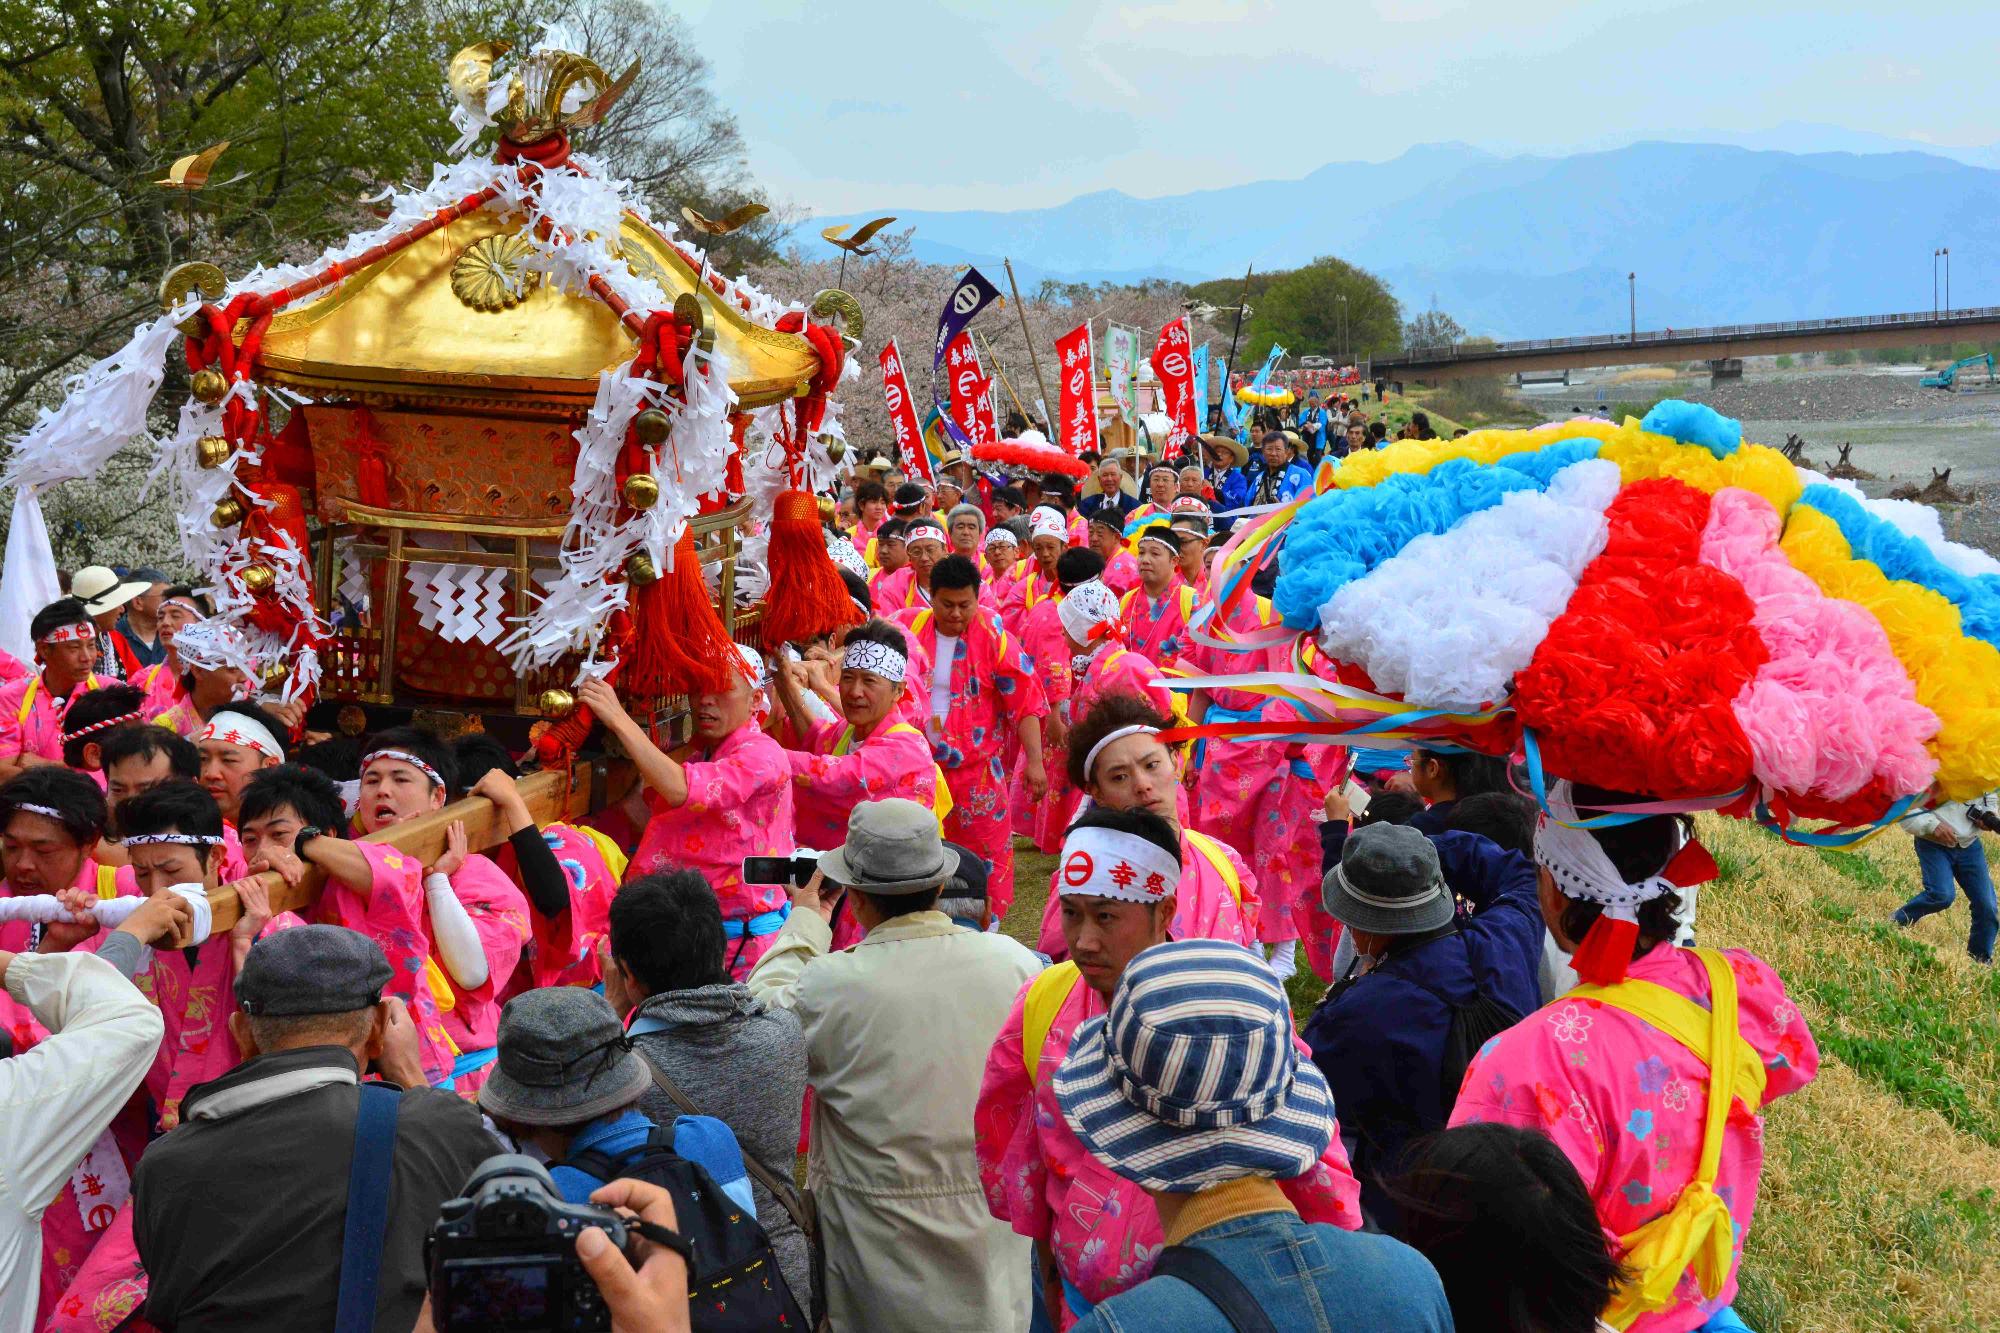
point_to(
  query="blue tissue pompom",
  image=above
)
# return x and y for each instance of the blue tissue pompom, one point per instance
(1695, 423)
(1901, 556)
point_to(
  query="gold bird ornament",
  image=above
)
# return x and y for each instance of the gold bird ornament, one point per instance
(190, 173)
(739, 216)
(852, 244)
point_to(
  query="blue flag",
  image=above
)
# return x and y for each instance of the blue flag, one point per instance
(1201, 386)
(972, 294)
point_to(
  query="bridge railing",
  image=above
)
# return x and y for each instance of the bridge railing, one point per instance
(1479, 351)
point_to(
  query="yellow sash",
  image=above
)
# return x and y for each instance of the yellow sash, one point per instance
(1046, 995)
(1696, 1232)
(1211, 852)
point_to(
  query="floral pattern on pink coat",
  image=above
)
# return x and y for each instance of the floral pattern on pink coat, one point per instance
(392, 914)
(1038, 1178)
(1113, 669)
(499, 912)
(1626, 1103)
(30, 722)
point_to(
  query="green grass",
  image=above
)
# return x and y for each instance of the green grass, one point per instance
(1879, 1207)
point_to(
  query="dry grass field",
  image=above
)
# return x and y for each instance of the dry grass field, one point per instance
(1881, 1192)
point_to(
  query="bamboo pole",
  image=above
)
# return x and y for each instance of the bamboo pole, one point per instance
(998, 370)
(550, 797)
(1230, 368)
(1021, 312)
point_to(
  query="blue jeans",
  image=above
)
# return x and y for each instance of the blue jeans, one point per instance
(1940, 865)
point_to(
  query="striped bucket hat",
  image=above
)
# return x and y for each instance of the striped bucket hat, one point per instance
(1193, 1077)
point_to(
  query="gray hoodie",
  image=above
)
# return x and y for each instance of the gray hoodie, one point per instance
(744, 1063)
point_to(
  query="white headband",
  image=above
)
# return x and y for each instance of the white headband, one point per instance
(925, 531)
(1002, 537)
(77, 631)
(754, 666)
(879, 658)
(1048, 521)
(1577, 863)
(45, 811)
(171, 840)
(1136, 729)
(1162, 534)
(1105, 863)
(403, 756)
(242, 729)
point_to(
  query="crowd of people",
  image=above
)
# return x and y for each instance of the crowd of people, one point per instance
(1515, 1108)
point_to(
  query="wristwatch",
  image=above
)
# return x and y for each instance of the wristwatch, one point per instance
(304, 836)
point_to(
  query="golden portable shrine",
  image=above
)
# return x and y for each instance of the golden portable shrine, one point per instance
(519, 435)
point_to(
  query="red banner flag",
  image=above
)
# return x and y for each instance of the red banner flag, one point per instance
(903, 415)
(1173, 364)
(1076, 428)
(971, 391)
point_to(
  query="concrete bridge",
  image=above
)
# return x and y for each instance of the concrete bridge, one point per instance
(1718, 346)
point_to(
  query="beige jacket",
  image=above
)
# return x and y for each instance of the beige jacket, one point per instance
(897, 1029)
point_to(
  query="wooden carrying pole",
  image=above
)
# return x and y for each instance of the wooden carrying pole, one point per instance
(1004, 381)
(1021, 312)
(550, 797)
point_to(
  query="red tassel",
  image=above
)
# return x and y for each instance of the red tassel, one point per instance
(1606, 951)
(808, 597)
(679, 646)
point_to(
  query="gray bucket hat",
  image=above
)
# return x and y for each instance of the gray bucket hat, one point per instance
(892, 847)
(563, 1060)
(1388, 883)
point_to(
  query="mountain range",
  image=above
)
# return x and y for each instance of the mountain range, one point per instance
(1528, 246)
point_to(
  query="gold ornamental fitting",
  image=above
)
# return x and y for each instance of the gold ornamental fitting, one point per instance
(257, 579)
(556, 703)
(275, 673)
(209, 386)
(836, 448)
(639, 568)
(641, 491)
(184, 280)
(212, 451)
(652, 426)
(352, 720)
(228, 514)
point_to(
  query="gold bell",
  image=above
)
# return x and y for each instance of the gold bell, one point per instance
(212, 451)
(836, 450)
(653, 426)
(556, 703)
(641, 491)
(227, 514)
(209, 386)
(639, 568)
(275, 673)
(258, 579)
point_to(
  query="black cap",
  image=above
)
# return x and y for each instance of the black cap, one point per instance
(969, 880)
(311, 970)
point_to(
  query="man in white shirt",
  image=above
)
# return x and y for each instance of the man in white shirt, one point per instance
(56, 1098)
(1948, 849)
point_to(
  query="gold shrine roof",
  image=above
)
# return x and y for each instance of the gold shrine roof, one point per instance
(439, 322)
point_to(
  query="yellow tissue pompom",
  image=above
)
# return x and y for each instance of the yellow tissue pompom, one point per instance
(1956, 677)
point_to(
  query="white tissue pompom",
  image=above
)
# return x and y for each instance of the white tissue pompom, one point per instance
(1449, 619)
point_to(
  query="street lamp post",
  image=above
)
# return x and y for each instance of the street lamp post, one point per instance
(1632, 281)
(1342, 298)
(1946, 252)
(1934, 282)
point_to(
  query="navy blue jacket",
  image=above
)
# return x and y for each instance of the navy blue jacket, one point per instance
(1090, 504)
(1381, 1040)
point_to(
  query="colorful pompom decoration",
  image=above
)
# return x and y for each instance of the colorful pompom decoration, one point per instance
(1657, 607)
(1027, 454)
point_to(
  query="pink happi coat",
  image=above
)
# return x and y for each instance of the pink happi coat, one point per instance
(562, 950)
(1206, 907)
(30, 722)
(1626, 1103)
(739, 804)
(162, 686)
(1113, 669)
(499, 912)
(12, 668)
(1047, 648)
(891, 594)
(1030, 591)
(1157, 626)
(392, 913)
(835, 773)
(1121, 572)
(1261, 795)
(993, 688)
(180, 717)
(1039, 1179)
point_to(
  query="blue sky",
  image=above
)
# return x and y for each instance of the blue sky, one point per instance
(1031, 102)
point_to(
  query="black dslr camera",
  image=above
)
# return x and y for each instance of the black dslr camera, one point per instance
(504, 1256)
(796, 869)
